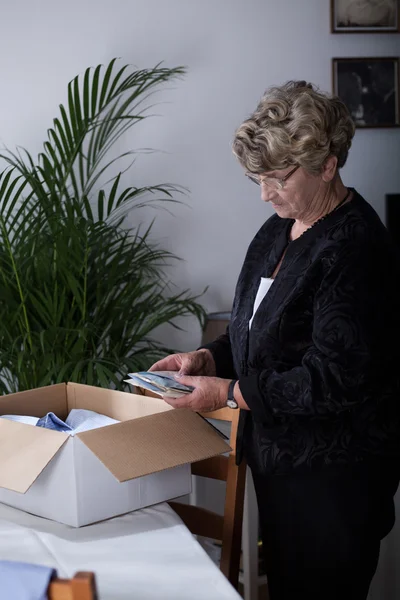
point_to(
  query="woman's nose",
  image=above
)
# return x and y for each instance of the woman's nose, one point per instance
(267, 193)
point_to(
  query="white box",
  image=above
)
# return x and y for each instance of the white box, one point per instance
(98, 474)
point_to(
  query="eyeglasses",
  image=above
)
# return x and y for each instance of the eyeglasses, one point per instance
(272, 182)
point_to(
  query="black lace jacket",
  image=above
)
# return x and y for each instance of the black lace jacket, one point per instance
(320, 367)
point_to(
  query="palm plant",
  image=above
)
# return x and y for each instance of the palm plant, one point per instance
(80, 294)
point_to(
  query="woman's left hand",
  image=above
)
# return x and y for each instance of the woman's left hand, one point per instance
(210, 393)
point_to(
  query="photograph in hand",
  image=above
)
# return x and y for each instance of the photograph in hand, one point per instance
(162, 383)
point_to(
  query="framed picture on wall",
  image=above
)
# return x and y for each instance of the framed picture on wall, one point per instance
(370, 89)
(365, 16)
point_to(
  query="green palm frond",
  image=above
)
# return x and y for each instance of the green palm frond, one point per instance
(80, 295)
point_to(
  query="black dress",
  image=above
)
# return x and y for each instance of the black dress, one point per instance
(320, 373)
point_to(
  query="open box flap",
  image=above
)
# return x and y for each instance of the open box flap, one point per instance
(37, 402)
(112, 403)
(150, 444)
(25, 450)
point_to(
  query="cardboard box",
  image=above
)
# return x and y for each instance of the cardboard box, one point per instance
(98, 474)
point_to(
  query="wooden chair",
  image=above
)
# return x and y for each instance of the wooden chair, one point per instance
(81, 587)
(227, 528)
(215, 325)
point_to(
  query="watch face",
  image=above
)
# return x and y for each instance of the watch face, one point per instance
(232, 404)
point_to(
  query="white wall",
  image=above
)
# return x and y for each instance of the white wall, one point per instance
(233, 49)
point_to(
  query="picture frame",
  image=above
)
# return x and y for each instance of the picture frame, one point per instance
(365, 16)
(370, 89)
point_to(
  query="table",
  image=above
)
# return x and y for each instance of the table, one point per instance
(148, 554)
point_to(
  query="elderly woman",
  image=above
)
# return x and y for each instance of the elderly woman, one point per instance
(311, 354)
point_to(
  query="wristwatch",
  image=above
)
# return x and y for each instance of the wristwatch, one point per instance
(231, 402)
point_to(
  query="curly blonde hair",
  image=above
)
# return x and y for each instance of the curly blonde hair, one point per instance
(294, 124)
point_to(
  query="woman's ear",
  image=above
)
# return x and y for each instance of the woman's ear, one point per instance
(329, 168)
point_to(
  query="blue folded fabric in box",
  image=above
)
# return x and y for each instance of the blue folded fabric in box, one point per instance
(77, 421)
(23, 581)
(51, 421)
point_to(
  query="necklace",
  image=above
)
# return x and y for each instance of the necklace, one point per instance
(325, 216)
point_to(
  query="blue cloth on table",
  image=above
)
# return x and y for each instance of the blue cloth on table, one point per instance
(77, 421)
(23, 581)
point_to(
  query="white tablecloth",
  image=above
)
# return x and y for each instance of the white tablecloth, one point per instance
(145, 555)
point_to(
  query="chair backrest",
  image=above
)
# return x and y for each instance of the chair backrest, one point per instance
(226, 528)
(81, 587)
(215, 325)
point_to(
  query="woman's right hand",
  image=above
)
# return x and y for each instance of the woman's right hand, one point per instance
(199, 362)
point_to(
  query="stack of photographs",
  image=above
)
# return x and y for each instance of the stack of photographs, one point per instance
(161, 383)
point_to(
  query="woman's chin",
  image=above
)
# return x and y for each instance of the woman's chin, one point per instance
(281, 211)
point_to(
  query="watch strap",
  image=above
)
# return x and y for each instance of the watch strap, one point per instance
(231, 402)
